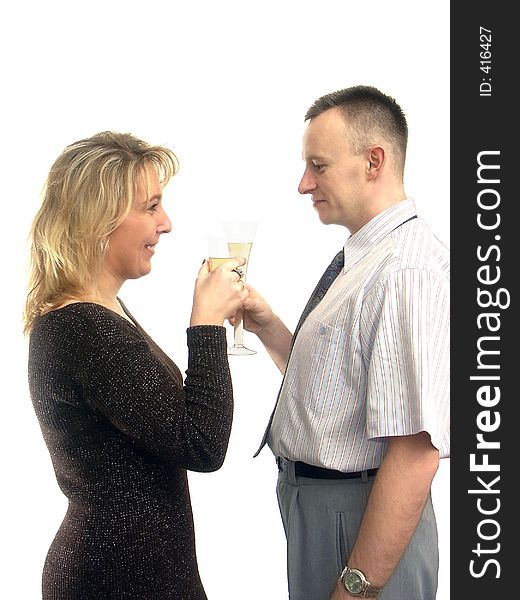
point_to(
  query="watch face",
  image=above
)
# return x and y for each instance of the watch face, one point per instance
(353, 582)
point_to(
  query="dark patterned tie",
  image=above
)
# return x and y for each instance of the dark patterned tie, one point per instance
(331, 272)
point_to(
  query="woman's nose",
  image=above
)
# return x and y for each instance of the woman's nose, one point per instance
(164, 224)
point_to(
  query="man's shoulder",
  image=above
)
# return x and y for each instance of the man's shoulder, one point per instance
(418, 247)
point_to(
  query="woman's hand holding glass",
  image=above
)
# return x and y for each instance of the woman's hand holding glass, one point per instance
(218, 294)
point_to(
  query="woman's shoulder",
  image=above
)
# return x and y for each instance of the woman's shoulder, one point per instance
(85, 321)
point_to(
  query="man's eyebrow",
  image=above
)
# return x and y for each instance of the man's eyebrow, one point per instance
(314, 157)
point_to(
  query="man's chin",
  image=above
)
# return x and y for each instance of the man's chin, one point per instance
(323, 214)
(325, 219)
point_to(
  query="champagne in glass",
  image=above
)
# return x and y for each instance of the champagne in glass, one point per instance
(218, 251)
(216, 261)
(240, 236)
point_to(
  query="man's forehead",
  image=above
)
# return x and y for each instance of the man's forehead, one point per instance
(316, 145)
(324, 133)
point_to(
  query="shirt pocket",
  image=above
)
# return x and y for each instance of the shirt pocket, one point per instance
(323, 372)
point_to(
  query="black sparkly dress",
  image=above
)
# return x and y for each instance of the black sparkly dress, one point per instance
(122, 428)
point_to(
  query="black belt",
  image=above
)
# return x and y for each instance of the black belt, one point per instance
(304, 470)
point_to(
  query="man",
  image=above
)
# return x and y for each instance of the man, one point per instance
(362, 416)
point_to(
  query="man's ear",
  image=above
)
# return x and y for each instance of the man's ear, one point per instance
(376, 158)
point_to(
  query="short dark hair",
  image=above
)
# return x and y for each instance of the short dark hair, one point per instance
(371, 116)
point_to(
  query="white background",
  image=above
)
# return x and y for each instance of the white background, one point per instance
(226, 86)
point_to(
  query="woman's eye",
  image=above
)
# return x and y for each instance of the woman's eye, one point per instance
(153, 207)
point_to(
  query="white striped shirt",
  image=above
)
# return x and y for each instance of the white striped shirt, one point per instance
(372, 359)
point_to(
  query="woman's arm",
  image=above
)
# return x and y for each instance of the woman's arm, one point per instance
(187, 426)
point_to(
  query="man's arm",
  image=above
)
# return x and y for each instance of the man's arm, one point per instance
(400, 491)
(274, 335)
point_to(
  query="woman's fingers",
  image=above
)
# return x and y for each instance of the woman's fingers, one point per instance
(204, 269)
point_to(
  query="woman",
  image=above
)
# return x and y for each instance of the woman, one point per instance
(120, 424)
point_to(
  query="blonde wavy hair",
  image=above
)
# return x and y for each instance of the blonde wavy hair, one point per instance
(89, 191)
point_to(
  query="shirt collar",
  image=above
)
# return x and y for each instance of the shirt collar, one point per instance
(359, 243)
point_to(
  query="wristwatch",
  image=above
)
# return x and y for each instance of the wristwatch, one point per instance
(357, 584)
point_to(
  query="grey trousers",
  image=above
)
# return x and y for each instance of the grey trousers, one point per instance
(321, 518)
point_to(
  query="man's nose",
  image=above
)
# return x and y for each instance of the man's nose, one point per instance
(307, 183)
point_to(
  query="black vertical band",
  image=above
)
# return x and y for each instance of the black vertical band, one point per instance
(484, 304)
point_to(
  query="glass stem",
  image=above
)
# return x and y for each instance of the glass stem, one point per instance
(239, 329)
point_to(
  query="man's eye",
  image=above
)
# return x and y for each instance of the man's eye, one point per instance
(318, 166)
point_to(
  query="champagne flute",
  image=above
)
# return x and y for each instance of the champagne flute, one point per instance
(218, 251)
(240, 236)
